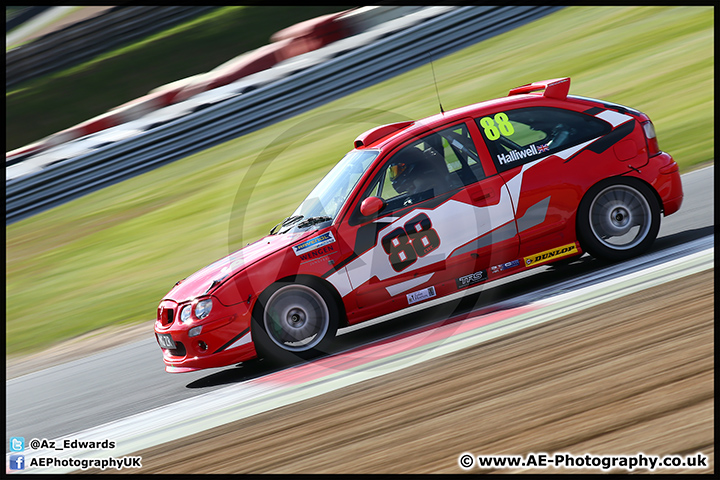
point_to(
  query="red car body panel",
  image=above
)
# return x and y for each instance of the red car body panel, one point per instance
(510, 219)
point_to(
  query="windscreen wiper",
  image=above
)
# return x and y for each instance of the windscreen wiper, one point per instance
(288, 221)
(313, 221)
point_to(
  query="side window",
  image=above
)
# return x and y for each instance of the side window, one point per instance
(515, 137)
(435, 164)
(413, 174)
(461, 155)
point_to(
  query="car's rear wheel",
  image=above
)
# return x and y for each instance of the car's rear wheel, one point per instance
(294, 321)
(618, 219)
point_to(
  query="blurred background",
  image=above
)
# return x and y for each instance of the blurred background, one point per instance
(107, 256)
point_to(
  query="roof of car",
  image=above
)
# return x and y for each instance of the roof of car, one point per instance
(385, 136)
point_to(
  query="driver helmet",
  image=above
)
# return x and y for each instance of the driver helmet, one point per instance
(401, 175)
(406, 171)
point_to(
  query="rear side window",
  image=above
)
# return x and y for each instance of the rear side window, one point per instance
(515, 137)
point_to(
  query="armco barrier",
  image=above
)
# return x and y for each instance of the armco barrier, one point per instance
(83, 40)
(245, 113)
(290, 42)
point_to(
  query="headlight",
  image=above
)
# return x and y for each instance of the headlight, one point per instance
(203, 307)
(185, 314)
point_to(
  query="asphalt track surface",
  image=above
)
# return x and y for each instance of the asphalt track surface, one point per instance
(130, 378)
(631, 377)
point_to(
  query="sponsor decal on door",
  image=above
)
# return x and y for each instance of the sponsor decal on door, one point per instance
(553, 254)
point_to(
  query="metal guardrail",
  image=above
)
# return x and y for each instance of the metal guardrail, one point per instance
(83, 40)
(251, 111)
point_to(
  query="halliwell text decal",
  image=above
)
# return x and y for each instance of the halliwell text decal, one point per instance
(515, 155)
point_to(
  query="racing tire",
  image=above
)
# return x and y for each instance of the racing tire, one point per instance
(294, 321)
(618, 219)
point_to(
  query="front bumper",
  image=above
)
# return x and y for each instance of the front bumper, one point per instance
(225, 338)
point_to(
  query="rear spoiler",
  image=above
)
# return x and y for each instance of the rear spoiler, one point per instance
(557, 88)
(375, 134)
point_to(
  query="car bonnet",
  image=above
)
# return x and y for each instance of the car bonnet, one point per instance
(206, 279)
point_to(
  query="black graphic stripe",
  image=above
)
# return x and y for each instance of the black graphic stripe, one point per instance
(233, 340)
(340, 265)
(366, 237)
(594, 111)
(613, 137)
(603, 143)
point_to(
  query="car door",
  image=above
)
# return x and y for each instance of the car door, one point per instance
(426, 240)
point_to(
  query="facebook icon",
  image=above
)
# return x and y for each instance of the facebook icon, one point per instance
(17, 462)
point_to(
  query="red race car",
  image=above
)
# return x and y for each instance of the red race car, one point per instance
(421, 210)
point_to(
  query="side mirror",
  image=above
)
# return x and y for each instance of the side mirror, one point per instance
(371, 205)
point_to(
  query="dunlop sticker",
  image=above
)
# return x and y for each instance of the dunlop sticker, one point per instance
(549, 255)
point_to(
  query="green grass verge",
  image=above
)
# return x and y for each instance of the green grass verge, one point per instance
(46, 105)
(109, 257)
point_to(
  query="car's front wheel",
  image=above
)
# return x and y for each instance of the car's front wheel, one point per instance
(294, 321)
(618, 219)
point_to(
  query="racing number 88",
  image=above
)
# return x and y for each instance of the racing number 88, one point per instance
(400, 250)
(504, 126)
(405, 245)
(423, 237)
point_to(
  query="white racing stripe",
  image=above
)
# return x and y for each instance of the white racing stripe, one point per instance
(446, 220)
(219, 407)
(614, 118)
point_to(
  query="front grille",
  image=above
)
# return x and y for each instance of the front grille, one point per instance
(179, 351)
(165, 315)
